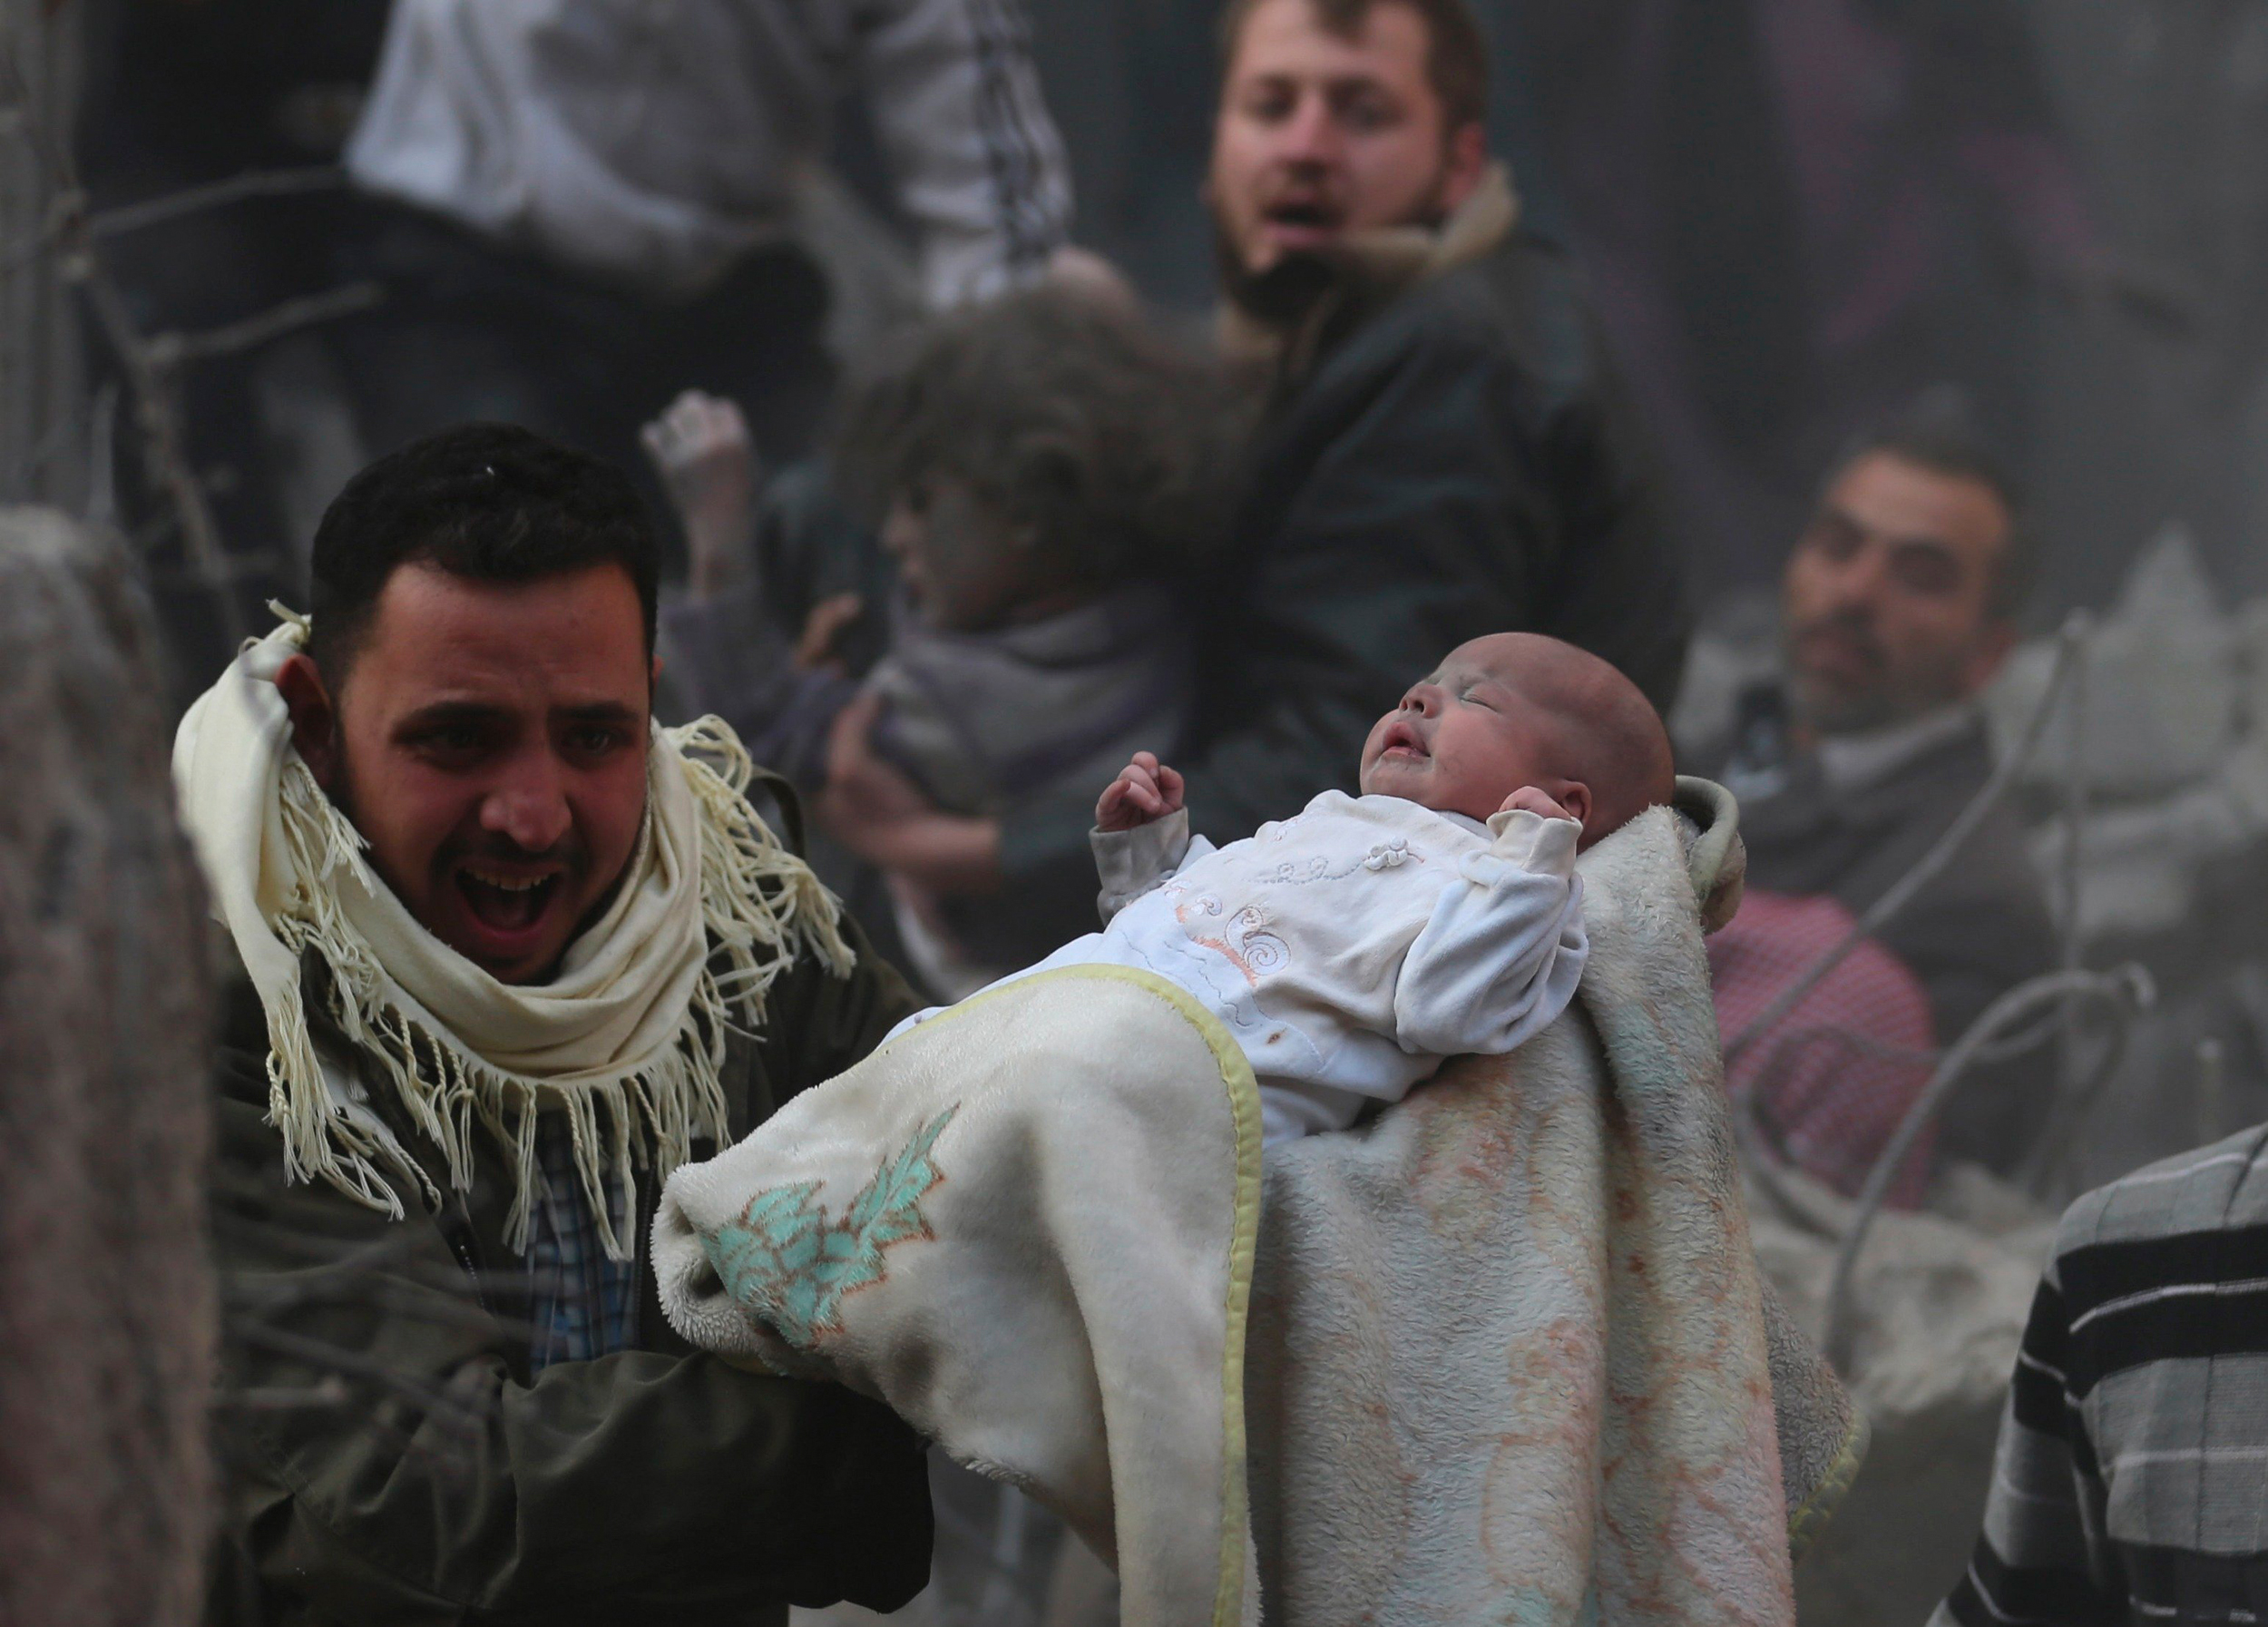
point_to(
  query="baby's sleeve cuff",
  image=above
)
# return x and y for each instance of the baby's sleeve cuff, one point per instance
(1128, 863)
(1533, 843)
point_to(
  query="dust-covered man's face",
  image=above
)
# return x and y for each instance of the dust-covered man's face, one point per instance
(489, 741)
(1319, 136)
(1887, 602)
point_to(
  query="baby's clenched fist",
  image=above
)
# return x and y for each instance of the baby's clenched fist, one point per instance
(1528, 799)
(1145, 789)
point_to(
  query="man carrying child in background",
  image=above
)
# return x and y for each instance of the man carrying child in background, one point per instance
(1442, 453)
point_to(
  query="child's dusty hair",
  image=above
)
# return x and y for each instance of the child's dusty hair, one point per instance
(1073, 418)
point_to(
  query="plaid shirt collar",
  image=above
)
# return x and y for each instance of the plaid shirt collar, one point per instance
(582, 1305)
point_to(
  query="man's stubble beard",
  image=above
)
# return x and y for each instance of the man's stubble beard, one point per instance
(1282, 295)
(1830, 715)
(1898, 698)
(341, 792)
(576, 859)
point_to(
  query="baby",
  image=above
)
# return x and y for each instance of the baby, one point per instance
(1352, 948)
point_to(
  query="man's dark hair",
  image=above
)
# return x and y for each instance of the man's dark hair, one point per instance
(1456, 50)
(1071, 418)
(488, 502)
(1938, 432)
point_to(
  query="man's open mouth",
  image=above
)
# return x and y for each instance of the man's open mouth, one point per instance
(506, 903)
(1304, 214)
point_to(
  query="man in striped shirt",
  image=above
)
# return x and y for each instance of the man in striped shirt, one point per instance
(2131, 1483)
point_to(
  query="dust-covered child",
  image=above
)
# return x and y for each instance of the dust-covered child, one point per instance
(1044, 472)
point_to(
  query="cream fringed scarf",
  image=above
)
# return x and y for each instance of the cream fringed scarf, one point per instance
(628, 1038)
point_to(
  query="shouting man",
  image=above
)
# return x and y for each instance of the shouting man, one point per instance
(510, 955)
(1444, 453)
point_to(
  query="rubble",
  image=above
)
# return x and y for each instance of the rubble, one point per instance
(2161, 689)
(2171, 786)
(1942, 1301)
(2173, 869)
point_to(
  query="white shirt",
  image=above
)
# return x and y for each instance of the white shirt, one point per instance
(654, 142)
(1353, 947)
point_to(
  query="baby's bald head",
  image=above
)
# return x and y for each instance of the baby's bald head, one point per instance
(1613, 737)
(1518, 709)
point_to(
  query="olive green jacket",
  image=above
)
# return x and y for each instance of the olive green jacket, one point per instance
(449, 1484)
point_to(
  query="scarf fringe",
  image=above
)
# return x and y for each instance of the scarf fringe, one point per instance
(762, 908)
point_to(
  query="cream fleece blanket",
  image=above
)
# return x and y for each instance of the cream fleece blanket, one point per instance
(1504, 1354)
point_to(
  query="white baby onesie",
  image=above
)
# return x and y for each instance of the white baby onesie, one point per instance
(1350, 948)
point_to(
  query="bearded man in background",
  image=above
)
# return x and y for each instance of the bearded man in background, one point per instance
(1898, 607)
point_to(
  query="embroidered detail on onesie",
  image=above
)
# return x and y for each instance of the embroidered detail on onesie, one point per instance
(1258, 950)
(792, 1264)
(1386, 854)
(1245, 944)
(1196, 903)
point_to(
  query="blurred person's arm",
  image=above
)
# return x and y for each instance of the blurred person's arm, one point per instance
(725, 656)
(812, 550)
(721, 653)
(723, 647)
(700, 449)
(979, 167)
(874, 810)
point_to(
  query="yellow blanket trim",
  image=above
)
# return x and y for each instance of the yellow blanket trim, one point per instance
(1806, 1522)
(1244, 1106)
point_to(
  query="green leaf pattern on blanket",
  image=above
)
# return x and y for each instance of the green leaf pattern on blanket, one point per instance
(789, 1262)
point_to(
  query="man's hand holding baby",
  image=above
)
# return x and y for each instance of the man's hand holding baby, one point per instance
(1146, 789)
